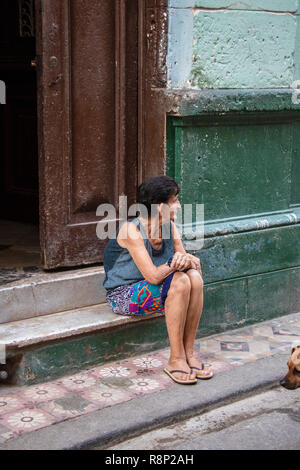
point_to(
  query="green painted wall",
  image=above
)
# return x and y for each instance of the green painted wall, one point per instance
(244, 168)
(238, 165)
(234, 145)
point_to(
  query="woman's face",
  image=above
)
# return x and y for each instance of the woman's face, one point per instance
(168, 211)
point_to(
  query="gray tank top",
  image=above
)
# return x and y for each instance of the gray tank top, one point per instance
(120, 269)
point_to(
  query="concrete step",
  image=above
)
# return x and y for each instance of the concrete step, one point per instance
(35, 331)
(49, 346)
(46, 293)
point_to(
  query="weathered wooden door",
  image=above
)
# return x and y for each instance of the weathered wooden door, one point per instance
(87, 64)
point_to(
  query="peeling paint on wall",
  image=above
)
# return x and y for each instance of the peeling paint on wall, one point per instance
(270, 5)
(232, 45)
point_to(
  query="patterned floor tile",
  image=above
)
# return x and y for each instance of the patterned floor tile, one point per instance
(210, 360)
(218, 366)
(284, 332)
(103, 396)
(26, 420)
(10, 403)
(230, 338)
(148, 362)
(147, 365)
(69, 406)
(234, 351)
(145, 385)
(275, 346)
(44, 392)
(241, 346)
(114, 370)
(276, 334)
(78, 381)
(247, 331)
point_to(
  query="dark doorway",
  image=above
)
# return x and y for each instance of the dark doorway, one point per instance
(19, 208)
(18, 117)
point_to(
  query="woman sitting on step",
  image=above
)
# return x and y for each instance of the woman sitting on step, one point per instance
(148, 270)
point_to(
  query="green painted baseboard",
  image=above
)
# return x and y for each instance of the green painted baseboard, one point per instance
(250, 299)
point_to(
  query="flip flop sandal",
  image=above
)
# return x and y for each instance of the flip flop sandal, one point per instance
(204, 377)
(183, 382)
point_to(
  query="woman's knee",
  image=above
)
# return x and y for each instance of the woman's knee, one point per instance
(181, 283)
(195, 278)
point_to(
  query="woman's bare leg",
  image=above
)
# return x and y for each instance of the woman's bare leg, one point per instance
(193, 316)
(176, 306)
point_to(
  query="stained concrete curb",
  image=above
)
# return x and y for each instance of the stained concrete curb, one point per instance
(113, 424)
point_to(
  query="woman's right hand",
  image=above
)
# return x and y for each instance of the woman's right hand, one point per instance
(181, 261)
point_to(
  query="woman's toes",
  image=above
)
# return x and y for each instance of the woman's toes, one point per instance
(183, 376)
(184, 367)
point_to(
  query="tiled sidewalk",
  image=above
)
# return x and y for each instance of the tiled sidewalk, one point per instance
(30, 408)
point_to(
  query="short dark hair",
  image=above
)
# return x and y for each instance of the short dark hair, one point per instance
(157, 190)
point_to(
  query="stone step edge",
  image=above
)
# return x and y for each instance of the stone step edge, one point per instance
(46, 294)
(43, 277)
(58, 326)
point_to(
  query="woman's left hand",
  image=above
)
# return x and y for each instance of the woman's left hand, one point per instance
(181, 261)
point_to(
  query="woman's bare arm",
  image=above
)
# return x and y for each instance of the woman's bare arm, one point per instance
(130, 237)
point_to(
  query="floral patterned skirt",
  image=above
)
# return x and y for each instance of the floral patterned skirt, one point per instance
(140, 298)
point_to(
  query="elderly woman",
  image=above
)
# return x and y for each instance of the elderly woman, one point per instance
(148, 270)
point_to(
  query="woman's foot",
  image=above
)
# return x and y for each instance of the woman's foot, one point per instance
(181, 365)
(201, 370)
